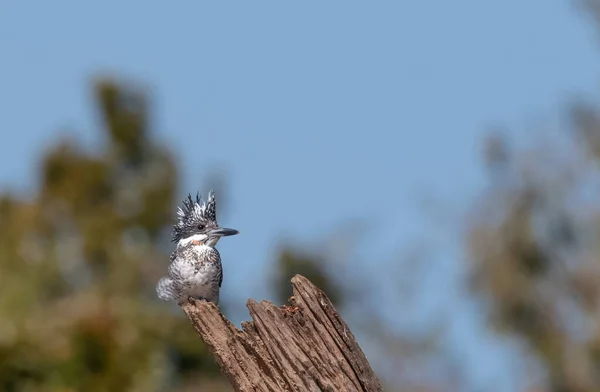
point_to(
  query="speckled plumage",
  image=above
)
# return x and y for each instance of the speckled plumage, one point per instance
(194, 271)
(195, 268)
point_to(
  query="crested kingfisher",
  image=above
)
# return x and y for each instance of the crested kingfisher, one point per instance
(195, 268)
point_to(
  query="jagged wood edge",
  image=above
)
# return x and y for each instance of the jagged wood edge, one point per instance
(251, 364)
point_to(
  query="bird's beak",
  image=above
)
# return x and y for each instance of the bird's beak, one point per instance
(222, 232)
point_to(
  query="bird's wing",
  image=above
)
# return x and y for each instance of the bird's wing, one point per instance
(177, 267)
(170, 287)
(220, 276)
(215, 257)
(167, 289)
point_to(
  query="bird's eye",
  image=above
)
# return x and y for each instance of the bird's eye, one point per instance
(200, 227)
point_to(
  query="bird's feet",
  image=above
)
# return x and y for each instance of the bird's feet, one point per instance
(192, 300)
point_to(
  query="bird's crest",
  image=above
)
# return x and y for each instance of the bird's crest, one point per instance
(194, 213)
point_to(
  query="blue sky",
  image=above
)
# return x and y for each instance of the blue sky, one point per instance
(319, 113)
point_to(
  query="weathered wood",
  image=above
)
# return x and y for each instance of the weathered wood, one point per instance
(304, 346)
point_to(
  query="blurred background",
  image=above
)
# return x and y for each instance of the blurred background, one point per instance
(432, 165)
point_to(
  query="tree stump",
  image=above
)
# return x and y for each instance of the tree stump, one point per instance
(304, 346)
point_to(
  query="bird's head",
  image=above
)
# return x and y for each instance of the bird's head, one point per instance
(197, 222)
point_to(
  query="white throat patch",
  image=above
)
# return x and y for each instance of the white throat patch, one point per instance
(202, 238)
(188, 240)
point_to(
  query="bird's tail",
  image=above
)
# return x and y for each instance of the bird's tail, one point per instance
(166, 289)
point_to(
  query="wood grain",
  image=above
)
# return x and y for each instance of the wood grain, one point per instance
(303, 346)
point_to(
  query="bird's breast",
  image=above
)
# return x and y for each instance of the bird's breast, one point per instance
(205, 273)
(204, 284)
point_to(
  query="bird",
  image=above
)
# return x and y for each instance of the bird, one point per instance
(195, 269)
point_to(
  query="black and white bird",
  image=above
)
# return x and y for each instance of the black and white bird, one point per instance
(195, 268)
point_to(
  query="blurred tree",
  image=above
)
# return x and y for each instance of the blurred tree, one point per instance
(79, 262)
(534, 244)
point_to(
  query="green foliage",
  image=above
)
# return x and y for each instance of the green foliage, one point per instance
(535, 254)
(79, 262)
